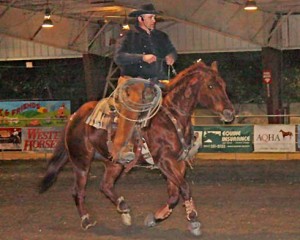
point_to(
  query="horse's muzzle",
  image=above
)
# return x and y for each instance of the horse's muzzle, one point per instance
(228, 115)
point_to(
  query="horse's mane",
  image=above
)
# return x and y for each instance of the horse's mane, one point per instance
(185, 73)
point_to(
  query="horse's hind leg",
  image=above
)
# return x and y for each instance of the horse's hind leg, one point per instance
(79, 194)
(111, 173)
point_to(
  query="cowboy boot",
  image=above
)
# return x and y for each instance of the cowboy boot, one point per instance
(122, 152)
(122, 148)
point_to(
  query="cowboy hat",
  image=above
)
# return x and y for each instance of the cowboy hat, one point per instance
(145, 9)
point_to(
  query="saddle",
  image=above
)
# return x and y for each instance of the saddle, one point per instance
(104, 114)
(105, 117)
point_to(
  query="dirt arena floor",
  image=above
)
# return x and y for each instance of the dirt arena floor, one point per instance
(236, 200)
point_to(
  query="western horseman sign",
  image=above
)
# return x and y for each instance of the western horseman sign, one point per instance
(40, 139)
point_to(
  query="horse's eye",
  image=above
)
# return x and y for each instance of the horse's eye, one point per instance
(210, 86)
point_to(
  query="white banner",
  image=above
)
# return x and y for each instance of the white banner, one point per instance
(274, 138)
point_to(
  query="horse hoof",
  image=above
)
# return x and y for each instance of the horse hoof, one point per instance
(150, 220)
(86, 224)
(194, 228)
(126, 219)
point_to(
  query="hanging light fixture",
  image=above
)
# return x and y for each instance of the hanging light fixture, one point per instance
(250, 5)
(125, 24)
(47, 23)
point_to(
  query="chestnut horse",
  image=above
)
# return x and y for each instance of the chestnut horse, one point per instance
(169, 135)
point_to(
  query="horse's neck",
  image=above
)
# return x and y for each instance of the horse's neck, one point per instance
(178, 107)
(178, 112)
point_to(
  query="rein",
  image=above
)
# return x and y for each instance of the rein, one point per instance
(173, 71)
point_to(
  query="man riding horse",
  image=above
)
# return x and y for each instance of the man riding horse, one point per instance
(140, 53)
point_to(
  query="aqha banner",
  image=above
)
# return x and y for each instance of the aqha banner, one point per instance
(274, 138)
(40, 139)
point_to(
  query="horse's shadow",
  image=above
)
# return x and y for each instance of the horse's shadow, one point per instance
(138, 231)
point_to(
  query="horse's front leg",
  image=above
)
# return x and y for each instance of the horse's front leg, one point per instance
(165, 211)
(175, 172)
(111, 173)
(191, 215)
(171, 170)
(191, 212)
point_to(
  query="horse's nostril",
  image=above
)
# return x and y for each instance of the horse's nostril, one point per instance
(228, 115)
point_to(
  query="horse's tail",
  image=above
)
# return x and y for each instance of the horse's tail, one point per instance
(55, 165)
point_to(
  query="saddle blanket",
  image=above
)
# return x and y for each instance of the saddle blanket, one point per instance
(101, 116)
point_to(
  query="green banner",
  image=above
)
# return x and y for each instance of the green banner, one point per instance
(225, 138)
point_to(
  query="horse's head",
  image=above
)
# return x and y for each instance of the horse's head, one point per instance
(212, 93)
(201, 84)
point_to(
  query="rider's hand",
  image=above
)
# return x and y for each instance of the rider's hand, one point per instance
(149, 58)
(169, 60)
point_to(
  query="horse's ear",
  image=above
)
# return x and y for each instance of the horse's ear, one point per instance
(214, 66)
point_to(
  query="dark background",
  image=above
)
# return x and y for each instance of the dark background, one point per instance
(65, 78)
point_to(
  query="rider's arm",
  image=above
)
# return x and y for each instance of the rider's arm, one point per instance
(171, 52)
(122, 55)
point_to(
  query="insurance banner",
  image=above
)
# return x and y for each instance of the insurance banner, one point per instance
(40, 139)
(34, 113)
(224, 138)
(274, 138)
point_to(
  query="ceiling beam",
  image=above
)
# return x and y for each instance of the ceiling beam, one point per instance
(26, 25)
(277, 24)
(7, 8)
(97, 34)
(196, 24)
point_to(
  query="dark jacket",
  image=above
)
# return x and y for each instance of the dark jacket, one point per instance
(131, 47)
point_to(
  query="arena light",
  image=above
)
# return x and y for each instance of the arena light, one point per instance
(47, 23)
(125, 25)
(250, 5)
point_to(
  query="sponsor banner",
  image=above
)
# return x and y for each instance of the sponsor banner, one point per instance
(34, 113)
(274, 138)
(224, 138)
(10, 138)
(40, 139)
